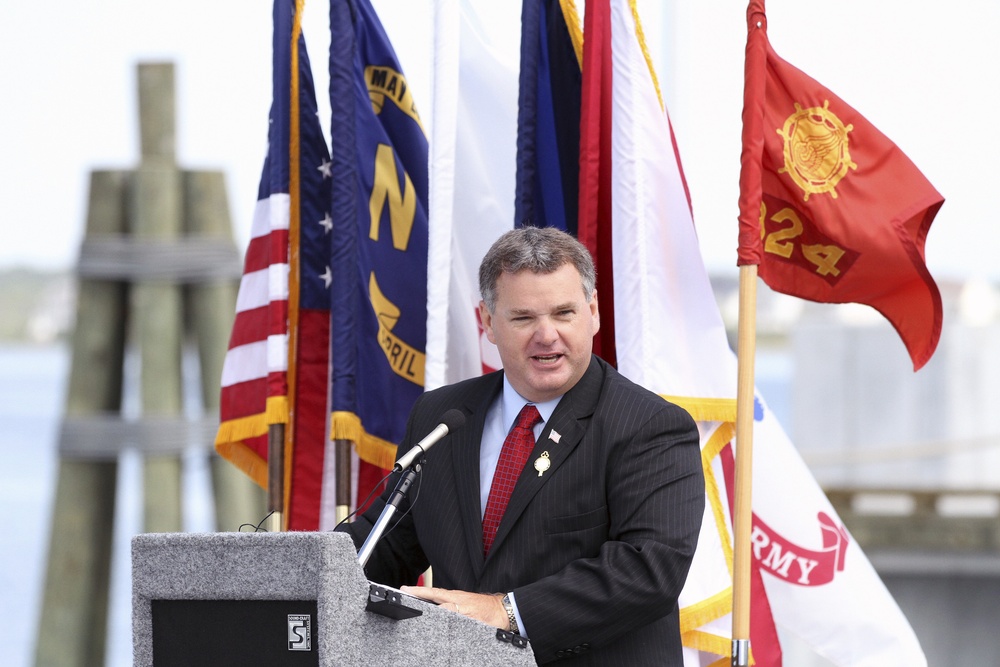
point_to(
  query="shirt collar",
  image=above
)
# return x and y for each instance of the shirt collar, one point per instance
(512, 402)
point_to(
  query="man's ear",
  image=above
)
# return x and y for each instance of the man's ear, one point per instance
(595, 312)
(487, 319)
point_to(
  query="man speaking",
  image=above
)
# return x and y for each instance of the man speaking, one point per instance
(567, 508)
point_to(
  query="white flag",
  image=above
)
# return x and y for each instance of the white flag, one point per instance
(473, 147)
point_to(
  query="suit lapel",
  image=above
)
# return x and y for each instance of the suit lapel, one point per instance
(569, 424)
(466, 462)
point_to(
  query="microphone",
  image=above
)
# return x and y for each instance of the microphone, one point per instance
(451, 420)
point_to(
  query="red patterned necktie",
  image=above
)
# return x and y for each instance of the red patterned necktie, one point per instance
(516, 449)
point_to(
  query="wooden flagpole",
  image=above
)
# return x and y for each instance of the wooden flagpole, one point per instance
(746, 346)
(749, 257)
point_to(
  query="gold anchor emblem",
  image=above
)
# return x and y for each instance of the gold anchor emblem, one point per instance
(542, 463)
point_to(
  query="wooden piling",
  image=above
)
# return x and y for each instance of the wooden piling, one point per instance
(155, 213)
(136, 221)
(74, 615)
(211, 308)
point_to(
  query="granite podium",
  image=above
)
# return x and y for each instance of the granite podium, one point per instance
(293, 598)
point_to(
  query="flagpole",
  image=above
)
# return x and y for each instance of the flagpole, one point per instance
(284, 435)
(342, 488)
(743, 513)
(275, 474)
(749, 256)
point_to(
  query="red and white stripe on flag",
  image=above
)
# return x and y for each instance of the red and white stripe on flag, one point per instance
(255, 371)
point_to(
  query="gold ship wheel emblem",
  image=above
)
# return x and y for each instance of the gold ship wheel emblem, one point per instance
(816, 151)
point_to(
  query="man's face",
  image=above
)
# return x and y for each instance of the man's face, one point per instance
(544, 329)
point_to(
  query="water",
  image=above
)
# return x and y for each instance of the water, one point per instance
(32, 386)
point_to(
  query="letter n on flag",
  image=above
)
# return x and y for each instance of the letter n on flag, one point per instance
(830, 209)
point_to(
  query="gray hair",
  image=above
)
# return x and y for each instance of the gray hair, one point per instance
(536, 249)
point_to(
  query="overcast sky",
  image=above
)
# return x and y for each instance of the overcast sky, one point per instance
(926, 74)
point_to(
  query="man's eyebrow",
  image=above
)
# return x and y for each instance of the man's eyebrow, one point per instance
(517, 312)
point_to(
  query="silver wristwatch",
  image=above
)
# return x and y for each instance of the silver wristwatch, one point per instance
(511, 618)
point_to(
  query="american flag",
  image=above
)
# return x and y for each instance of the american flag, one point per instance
(282, 310)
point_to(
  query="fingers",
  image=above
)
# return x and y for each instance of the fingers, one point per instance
(429, 593)
(451, 606)
(445, 598)
(482, 607)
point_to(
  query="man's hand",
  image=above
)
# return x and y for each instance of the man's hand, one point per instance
(480, 606)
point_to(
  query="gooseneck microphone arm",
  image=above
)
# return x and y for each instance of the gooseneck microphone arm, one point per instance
(450, 421)
(389, 511)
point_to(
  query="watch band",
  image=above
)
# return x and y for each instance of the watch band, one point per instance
(511, 618)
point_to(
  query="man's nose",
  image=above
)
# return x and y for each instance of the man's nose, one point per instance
(546, 331)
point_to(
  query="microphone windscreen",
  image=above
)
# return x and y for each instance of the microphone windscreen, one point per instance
(453, 419)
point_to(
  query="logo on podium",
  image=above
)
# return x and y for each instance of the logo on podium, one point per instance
(299, 632)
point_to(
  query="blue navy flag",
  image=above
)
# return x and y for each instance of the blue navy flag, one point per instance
(548, 134)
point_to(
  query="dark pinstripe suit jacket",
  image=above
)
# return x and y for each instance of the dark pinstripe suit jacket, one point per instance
(596, 550)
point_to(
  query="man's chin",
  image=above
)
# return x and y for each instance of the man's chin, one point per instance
(548, 386)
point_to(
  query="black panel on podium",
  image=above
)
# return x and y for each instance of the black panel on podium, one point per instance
(234, 633)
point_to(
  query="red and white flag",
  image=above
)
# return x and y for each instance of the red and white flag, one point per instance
(809, 577)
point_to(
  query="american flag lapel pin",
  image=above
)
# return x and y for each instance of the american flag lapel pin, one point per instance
(554, 436)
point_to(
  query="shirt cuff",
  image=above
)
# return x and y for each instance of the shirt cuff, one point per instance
(520, 624)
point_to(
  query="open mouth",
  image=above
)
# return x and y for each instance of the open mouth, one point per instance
(547, 358)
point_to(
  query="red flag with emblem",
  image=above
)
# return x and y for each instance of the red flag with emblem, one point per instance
(830, 208)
